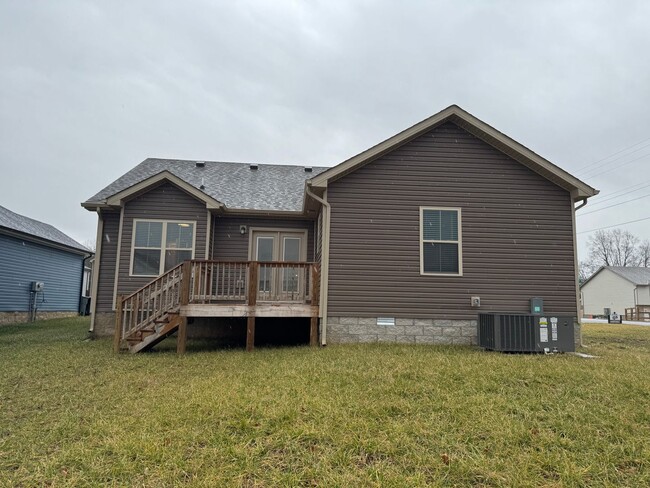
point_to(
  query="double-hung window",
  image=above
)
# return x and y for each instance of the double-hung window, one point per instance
(440, 241)
(159, 245)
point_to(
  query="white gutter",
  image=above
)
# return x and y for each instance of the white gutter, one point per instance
(325, 262)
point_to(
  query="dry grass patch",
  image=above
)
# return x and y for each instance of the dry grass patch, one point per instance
(73, 414)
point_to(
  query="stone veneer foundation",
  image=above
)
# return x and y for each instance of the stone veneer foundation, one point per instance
(21, 317)
(104, 324)
(413, 331)
(363, 329)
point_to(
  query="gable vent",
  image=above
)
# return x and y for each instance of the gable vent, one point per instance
(253, 166)
(308, 169)
(200, 164)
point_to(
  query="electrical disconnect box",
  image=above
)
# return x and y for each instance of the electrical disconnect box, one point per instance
(37, 286)
(526, 333)
(537, 305)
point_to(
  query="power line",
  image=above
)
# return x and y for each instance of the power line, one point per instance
(579, 170)
(618, 166)
(614, 225)
(614, 205)
(626, 191)
(613, 160)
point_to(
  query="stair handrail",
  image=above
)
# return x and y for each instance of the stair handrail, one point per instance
(148, 303)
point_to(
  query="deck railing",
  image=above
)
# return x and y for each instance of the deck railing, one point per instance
(234, 281)
(149, 304)
(640, 313)
(215, 282)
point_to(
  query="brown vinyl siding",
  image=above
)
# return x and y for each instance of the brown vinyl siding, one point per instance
(164, 202)
(230, 245)
(107, 260)
(517, 239)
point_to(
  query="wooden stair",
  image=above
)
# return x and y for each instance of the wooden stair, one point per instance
(151, 314)
(145, 339)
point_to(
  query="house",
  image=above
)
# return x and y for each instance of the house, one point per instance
(389, 245)
(42, 270)
(620, 289)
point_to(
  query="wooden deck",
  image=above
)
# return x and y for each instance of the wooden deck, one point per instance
(257, 310)
(203, 288)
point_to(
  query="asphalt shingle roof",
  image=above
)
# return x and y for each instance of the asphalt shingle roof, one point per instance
(635, 274)
(20, 223)
(269, 187)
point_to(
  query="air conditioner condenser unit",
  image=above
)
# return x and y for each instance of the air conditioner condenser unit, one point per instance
(508, 332)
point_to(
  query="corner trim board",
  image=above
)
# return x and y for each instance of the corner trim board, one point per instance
(98, 259)
(118, 259)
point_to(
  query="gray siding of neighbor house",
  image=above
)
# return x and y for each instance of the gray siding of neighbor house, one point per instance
(230, 245)
(516, 233)
(164, 202)
(108, 259)
(23, 261)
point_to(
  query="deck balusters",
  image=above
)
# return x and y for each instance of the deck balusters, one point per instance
(214, 282)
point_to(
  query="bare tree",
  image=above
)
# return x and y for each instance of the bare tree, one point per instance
(613, 248)
(585, 270)
(90, 244)
(643, 254)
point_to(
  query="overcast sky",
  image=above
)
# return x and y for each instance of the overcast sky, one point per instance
(88, 89)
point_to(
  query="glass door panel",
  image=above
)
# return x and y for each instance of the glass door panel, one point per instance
(265, 246)
(290, 253)
(277, 283)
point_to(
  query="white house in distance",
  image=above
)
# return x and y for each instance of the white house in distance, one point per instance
(616, 288)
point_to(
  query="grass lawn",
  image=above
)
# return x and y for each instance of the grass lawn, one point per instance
(74, 414)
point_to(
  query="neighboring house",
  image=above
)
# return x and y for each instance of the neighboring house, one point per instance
(617, 288)
(34, 252)
(402, 236)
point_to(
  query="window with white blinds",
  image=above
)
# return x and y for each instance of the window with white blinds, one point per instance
(440, 241)
(160, 245)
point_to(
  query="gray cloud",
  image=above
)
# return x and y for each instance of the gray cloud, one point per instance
(89, 89)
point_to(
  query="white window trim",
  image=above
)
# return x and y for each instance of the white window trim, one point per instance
(163, 244)
(459, 242)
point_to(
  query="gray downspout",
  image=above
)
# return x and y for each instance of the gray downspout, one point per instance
(579, 299)
(325, 261)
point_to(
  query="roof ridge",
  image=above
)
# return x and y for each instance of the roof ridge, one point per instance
(243, 163)
(243, 186)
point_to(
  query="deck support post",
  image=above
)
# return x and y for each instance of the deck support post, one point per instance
(313, 331)
(315, 302)
(252, 301)
(186, 276)
(250, 334)
(182, 335)
(117, 337)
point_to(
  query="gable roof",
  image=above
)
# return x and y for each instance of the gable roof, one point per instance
(34, 228)
(235, 186)
(281, 188)
(637, 275)
(476, 127)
